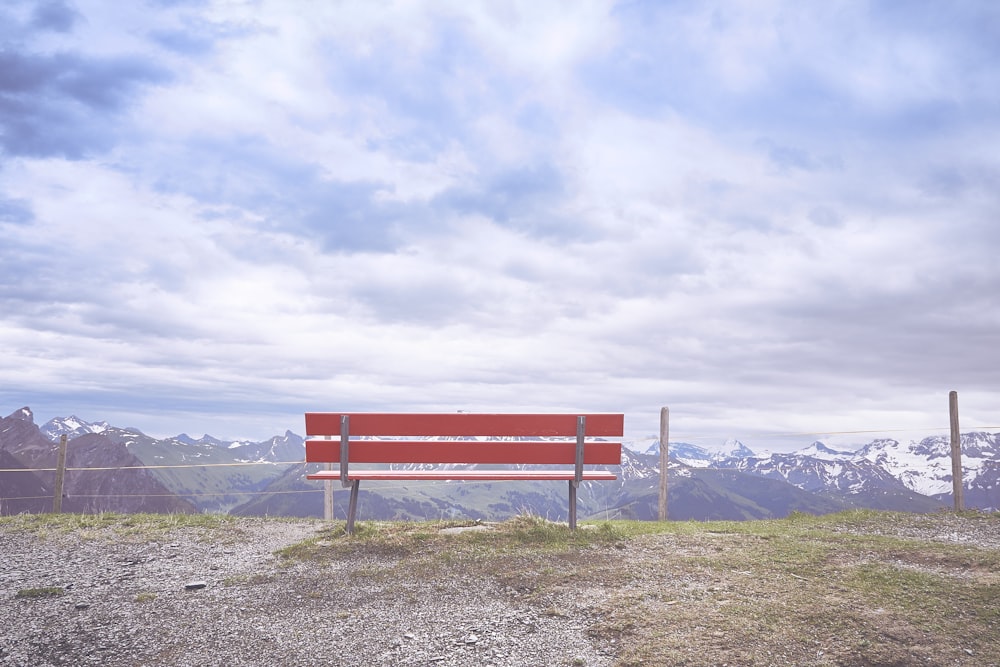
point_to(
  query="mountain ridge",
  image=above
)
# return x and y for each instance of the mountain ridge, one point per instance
(101, 475)
(217, 475)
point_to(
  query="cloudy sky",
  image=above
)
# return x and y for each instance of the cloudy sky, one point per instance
(771, 216)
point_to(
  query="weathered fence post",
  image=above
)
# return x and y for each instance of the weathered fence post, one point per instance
(60, 476)
(328, 496)
(664, 438)
(956, 453)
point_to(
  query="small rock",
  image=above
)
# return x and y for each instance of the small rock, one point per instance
(80, 606)
(471, 639)
(195, 585)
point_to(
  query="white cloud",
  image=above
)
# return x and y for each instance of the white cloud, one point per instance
(771, 219)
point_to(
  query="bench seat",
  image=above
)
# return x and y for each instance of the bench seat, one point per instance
(469, 475)
(559, 447)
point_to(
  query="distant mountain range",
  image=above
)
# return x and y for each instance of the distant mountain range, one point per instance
(118, 482)
(129, 471)
(883, 468)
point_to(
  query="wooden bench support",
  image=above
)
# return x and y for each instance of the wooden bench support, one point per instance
(572, 503)
(524, 439)
(352, 508)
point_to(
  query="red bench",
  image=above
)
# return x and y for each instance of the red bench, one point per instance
(508, 439)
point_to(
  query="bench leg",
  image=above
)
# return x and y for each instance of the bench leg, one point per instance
(352, 508)
(572, 504)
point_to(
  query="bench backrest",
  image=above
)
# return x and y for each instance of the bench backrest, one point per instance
(463, 437)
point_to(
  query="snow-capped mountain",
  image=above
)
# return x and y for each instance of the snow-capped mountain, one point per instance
(287, 448)
(639, 466)
(818, 450)
(693, 455)
(732, 449)
(701, 457)
(925, 466)
(281, 448)
(115, 482)
(203, 440)
(816, 474)
(71, 427)
(209, 471)
(860, 483)
(883, 474)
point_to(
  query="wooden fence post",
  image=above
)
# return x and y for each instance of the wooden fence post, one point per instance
(328, 496)
(60, 476)
(664, 439)
(956, 453)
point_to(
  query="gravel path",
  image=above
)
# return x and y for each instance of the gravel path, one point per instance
(220, 597)
(938, 527)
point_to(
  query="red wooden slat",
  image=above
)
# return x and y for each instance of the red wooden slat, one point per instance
(468, 475)
(463, 424)
(458, 451)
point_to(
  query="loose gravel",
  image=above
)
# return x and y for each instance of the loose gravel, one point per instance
(197, 596)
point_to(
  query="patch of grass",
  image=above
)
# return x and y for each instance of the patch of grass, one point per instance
(313, 548)
(410, 539)
(216, 528)
(43, 592)
(802, 590)
(619, 619)
(92, 525)
(255, 579)
(146, 596)
(929, 600)
(555, 612)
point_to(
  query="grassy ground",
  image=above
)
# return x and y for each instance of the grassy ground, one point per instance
(857, 588)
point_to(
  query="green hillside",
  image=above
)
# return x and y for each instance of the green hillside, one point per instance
(215, 479)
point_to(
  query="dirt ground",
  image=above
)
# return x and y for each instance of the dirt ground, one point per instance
(867, 589)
